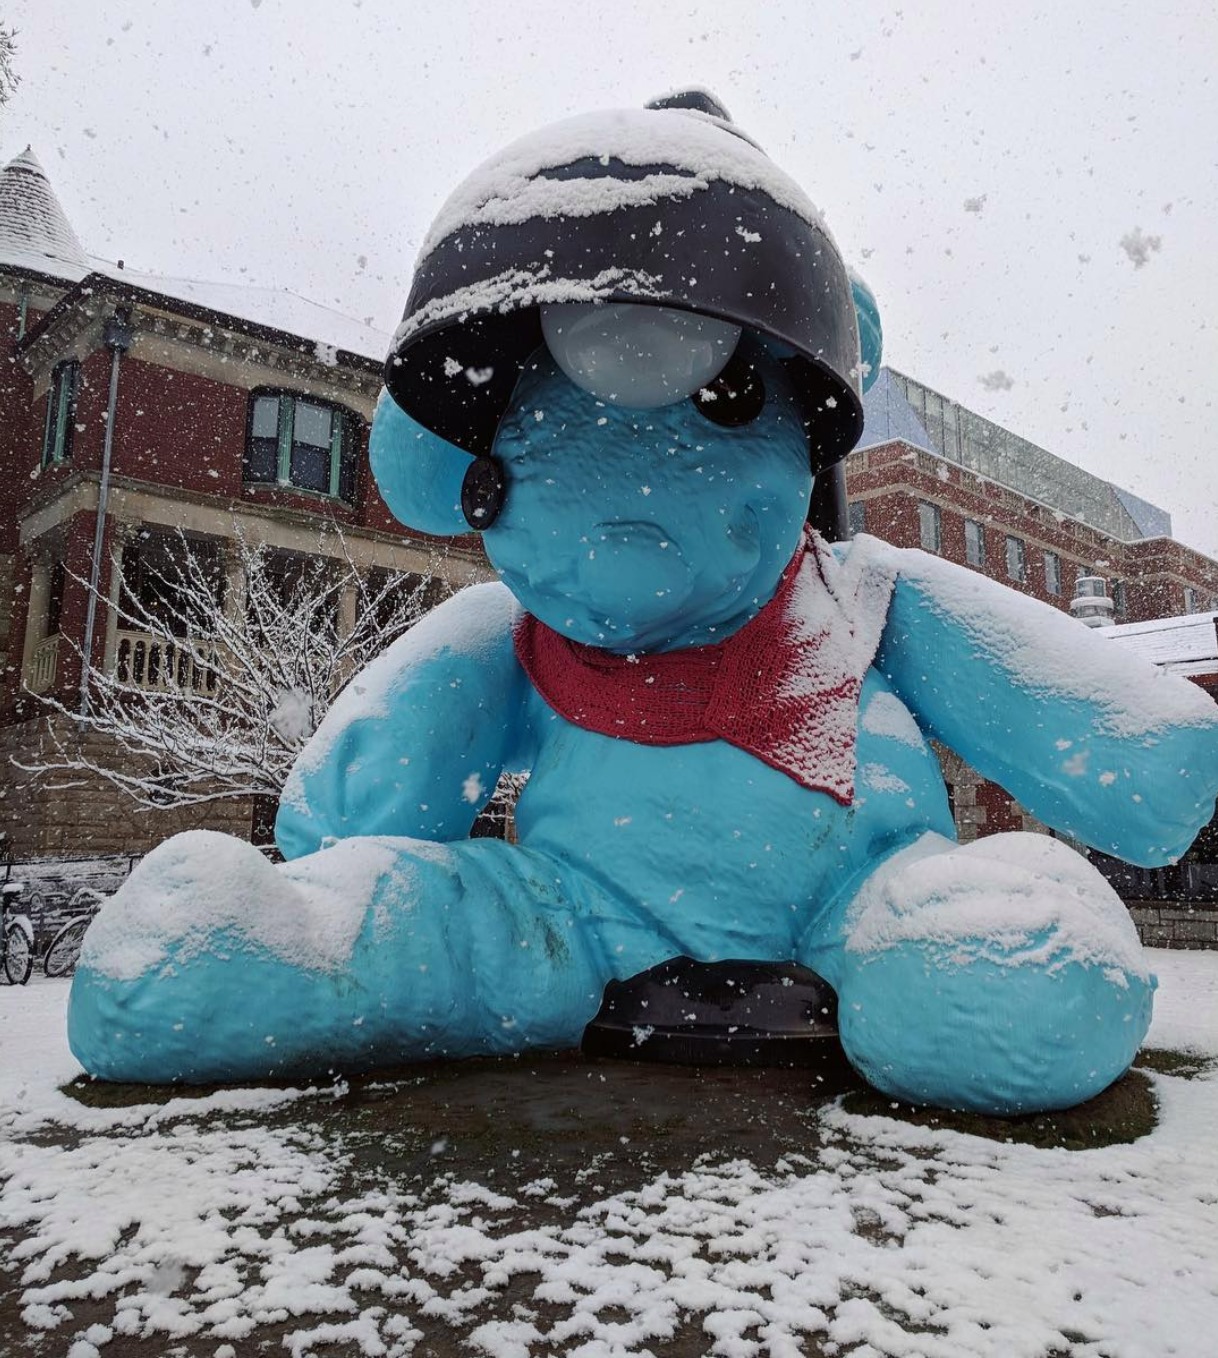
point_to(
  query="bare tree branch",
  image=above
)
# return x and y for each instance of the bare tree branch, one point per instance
(211, 698)
(9, 79)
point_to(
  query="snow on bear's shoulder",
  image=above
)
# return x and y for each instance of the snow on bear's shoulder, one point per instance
(1041, 648)
(475, 623)
(886, 715)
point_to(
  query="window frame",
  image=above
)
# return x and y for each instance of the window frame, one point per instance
(979, 564)
(344, 439)
(936, 523)
(59, 423)
(1020, 575)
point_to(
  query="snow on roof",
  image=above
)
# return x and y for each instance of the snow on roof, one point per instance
(276, 308)
(35, 233)
(1183, 645)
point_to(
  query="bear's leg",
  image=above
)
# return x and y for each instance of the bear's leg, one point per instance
(212, 964)
(1003, 976)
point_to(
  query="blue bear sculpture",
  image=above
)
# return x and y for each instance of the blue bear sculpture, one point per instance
(725, 719)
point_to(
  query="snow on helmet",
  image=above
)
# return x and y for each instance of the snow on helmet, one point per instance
(669, 206)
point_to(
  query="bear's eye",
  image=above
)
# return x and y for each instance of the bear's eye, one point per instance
(736, 397)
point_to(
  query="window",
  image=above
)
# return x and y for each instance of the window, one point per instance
(55, 589)
(1190, 600)
(297, 441)
(974, 543)
(1015, 559)
(61, 413)
(1118, 598)
(1053, 573)
(929, 526)
(857, 517)
(295, 584)
(172, 582)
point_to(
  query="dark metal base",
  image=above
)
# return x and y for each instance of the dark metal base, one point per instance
(718, 1014)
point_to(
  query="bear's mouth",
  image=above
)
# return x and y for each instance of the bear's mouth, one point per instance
(630, 584)
(631, 573)
(637, 581)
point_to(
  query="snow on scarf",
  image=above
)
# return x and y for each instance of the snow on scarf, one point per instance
(785, 687)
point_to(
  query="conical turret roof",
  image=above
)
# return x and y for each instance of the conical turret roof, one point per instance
(34, 230)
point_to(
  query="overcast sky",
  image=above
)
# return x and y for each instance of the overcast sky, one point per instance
(980, 165)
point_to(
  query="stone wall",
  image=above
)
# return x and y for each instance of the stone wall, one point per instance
(82, 814)
(1168, 924)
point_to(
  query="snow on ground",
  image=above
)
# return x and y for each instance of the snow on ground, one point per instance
(234, 1216)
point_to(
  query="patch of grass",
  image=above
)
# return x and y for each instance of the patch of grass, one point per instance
(99, 1094)
(1185, 1065)
(1124, 1112)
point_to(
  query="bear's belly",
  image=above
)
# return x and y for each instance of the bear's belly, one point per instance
(719, 847)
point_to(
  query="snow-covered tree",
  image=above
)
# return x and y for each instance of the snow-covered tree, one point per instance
(223, 673)
(9, 79)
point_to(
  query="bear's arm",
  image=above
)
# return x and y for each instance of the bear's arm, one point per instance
(417, 740)
(1090, 739)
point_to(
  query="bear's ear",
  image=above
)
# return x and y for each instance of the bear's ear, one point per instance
(418, 473)
(871, 335)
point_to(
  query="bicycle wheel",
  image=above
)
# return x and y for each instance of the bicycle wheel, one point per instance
(64, 951)
(18, 955)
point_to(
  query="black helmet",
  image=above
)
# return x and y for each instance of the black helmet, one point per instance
(669, 206)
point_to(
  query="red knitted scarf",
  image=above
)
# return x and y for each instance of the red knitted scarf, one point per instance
(785, 687)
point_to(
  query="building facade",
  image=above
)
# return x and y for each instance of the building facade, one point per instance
(930, 474)
(135, 410)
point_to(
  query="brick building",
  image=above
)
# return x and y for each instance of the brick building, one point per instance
(152, 405)
(928, 473)
(230, 409)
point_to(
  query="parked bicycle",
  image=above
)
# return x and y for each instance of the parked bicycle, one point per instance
(16, 936)
(64, 951)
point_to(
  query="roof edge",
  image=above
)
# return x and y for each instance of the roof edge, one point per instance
(96, 283)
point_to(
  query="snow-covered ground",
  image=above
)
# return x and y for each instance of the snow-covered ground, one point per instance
(204, 1226)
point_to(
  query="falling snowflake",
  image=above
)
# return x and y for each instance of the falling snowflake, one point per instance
(1139, 246)
(998, 380)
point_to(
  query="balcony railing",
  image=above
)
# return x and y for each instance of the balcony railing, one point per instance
(40, 676)
(160, 666)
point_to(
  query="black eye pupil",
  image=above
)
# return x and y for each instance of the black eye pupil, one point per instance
(735, 397)
(483, 490)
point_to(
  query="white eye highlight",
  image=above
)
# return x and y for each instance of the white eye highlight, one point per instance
(637, 356)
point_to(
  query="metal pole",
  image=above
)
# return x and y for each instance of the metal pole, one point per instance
(827, 513)
(118, 341)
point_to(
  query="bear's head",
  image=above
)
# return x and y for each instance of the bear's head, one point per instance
(629, 347)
